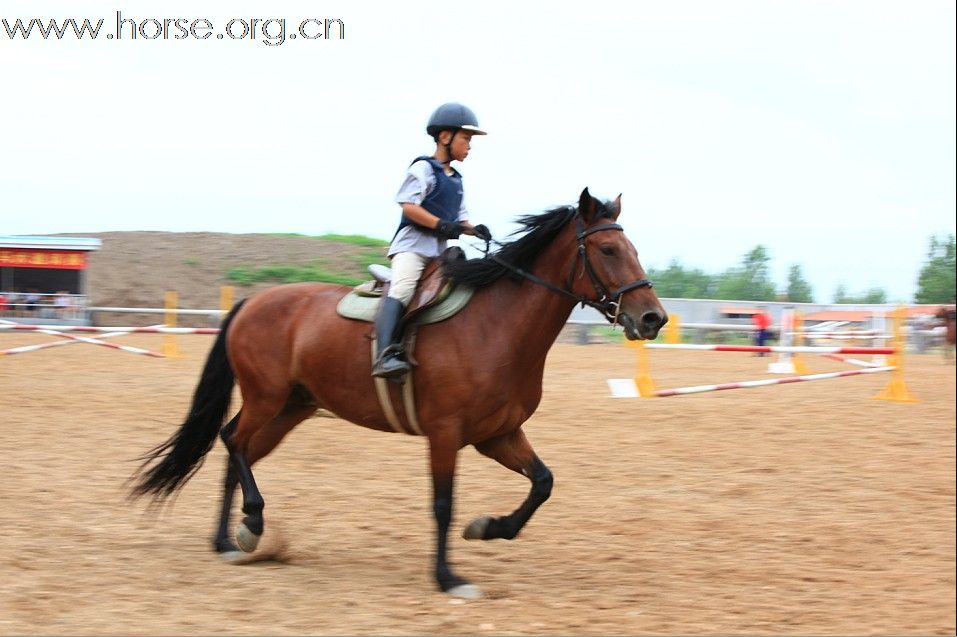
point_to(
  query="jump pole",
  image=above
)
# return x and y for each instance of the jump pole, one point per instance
(795, 349)
(679, 391)
(226, 295)
(896, 389)
(852, 361)
(169, 340)
(60, 329)
(788, 362)
(880, 327)
(643, 385)
(78, 339)
(673, 330)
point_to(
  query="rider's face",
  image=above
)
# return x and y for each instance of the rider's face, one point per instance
(461, 144)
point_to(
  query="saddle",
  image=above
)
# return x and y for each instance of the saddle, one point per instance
(436, 298)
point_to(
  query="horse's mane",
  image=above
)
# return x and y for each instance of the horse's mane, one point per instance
(540, 229)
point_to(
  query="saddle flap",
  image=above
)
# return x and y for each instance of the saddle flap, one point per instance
(433, 302)
(433, 286)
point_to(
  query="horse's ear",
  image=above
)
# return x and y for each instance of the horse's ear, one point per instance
(587, 205)
(616, 208)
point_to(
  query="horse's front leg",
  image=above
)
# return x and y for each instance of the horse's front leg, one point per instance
(443, 451)
(513, 451)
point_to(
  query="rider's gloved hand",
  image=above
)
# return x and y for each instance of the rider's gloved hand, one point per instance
(449, 229)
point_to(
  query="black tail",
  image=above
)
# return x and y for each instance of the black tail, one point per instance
(176, 460)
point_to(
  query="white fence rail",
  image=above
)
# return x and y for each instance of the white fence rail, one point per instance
(580, 322)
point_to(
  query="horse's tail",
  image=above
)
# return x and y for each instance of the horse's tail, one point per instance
(176, 460)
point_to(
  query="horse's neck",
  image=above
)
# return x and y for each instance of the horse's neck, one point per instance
(529, 316)
(533, 316)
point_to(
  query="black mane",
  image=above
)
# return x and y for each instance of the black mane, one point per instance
(522, 252)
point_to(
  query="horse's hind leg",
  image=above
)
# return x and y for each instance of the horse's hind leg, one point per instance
(239, 470)
(244, 451)
(513, 451)
(221, 542)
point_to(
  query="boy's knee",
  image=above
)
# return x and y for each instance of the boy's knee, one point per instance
(401, 292)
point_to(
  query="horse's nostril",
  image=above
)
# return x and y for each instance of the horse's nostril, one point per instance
(653, 320)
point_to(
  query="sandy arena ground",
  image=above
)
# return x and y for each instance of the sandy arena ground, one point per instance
(794, 509)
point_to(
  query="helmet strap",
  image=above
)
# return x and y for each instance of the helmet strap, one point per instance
(448, 148)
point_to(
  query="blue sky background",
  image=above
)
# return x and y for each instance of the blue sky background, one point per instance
(823, 130)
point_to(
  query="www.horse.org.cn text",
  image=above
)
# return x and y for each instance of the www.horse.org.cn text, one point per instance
(269, 31)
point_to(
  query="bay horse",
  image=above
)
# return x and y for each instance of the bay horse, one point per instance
(478, 379)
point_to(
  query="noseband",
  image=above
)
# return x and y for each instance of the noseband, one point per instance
(605, 302)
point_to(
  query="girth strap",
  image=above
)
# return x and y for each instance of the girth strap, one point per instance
(408, 402)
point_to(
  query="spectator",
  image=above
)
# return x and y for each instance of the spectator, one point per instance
(762, 323)
(62, 304)
(13, 302)
(31, 301)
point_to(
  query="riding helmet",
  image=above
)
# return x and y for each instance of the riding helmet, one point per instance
(453, 116)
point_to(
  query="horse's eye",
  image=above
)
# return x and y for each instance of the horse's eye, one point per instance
(610, 251)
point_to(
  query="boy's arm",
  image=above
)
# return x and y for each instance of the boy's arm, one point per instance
(447, 229)
(414, 188)
(418, 182)
(419, 215)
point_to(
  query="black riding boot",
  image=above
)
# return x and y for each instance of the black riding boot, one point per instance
(388, 363)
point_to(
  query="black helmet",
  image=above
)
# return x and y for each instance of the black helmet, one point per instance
(453, 116)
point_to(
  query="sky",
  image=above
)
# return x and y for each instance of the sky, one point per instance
(823, 130)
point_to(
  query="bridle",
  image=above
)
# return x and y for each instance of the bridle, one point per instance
(608, 303)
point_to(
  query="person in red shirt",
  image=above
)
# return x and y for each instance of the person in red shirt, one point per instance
(762, 323)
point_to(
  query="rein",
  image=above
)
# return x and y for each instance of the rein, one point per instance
(606, 302)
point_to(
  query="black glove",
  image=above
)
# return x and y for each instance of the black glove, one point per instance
(448, 229)
(482, 232)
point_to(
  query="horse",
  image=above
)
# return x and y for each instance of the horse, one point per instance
(946, 318)
(478, 376)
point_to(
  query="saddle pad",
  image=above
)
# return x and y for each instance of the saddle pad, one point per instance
(363, 308)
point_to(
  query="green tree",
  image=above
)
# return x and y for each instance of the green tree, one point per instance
(751, 281)
(799, 290)
(873, 295)
(676, 282)
(936, 281)
(840, 294)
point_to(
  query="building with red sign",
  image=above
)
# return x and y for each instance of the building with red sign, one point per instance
(44, 278)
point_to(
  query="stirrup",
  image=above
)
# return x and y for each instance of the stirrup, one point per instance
(389, 364)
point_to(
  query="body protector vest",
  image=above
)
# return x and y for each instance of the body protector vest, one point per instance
(445, 200)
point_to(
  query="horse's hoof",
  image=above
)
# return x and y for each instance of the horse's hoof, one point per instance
(226, 550)
(465, 591)
(246, 539)
(476, 528)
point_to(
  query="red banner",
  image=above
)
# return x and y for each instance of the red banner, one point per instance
(31, 258)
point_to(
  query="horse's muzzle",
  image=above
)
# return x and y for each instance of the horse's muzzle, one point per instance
(645, 328)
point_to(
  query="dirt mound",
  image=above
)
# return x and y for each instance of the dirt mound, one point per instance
(135, 269)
